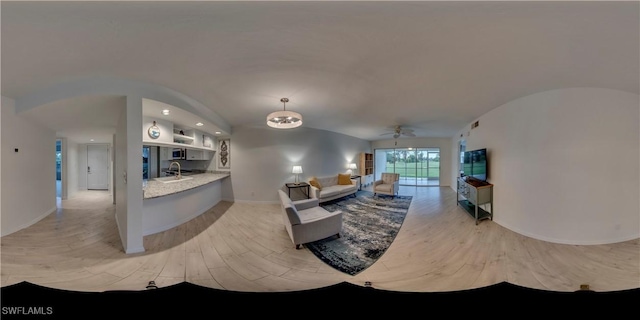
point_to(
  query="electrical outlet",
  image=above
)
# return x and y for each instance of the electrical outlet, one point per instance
(584, 287)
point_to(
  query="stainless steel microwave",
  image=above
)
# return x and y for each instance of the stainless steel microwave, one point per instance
(179, 154)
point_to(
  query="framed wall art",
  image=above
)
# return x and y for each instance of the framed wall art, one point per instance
(224, 155)
(207, 142)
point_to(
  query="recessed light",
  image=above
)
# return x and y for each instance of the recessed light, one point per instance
(199, 124)
(91, 140)
(165, 112)
(218, 132)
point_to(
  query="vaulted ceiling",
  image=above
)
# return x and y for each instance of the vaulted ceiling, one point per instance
(357, 68)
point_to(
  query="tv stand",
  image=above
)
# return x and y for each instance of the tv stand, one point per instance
(472, 194)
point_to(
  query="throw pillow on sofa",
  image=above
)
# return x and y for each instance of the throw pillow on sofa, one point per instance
(344, 179)
(314, 182)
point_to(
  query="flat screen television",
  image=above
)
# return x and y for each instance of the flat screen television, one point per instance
(475, 164)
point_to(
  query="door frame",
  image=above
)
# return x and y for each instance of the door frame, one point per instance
(415, 168)
(109, 165)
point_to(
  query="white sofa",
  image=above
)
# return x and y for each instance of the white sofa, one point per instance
(306, 222)
(330, 189)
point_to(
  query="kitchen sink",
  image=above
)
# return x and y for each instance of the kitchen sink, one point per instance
(172, 179)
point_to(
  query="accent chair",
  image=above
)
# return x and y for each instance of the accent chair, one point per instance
(306, 221)
(388, 184)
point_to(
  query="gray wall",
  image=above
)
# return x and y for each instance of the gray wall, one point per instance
(261, 159)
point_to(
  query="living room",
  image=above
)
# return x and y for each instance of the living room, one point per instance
(562, 132)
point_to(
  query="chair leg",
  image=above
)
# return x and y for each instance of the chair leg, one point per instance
(298, 246)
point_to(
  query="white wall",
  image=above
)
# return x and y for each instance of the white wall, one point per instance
(165, 126)
(444, 144)
(28, 176)
(120, 169)
(128, 175)
(565, 164)
(134, 175)
(1, 153)
(73, 168)
(261, 159)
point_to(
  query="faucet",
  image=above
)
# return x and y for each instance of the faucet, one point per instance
(179, 175)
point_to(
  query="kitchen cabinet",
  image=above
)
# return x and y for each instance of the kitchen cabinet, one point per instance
(198, 154)
(165, 153)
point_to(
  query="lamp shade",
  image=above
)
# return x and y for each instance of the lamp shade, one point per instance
(352, 166)
(284, 119)
(296, 169)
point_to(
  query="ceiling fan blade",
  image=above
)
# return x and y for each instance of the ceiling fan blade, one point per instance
(385, 134)
(409, 134)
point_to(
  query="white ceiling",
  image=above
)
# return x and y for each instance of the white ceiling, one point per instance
(357, 68)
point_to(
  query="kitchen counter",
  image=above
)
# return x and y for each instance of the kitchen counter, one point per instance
(167, 205)
(155, 189)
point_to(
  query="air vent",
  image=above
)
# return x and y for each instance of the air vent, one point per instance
(475, 124)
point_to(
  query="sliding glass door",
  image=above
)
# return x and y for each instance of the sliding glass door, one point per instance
(416, 166)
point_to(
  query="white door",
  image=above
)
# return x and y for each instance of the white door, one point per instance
(97, 167)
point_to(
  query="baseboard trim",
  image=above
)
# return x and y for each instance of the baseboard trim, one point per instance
(255, 202)
(32, 222)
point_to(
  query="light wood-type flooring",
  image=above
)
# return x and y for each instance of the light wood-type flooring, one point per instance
(244, 247)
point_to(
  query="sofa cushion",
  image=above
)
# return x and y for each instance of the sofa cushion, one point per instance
(312, 214)
(314, 182)
(328, 181)
(388, 178)
(344, 179)
(331, 191)
(384, 187)
(305, 204)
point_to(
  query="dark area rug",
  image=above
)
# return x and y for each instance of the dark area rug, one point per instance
(369, 226)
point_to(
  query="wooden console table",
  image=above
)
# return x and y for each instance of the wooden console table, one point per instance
(472, 194)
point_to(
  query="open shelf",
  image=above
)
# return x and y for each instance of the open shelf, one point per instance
(470, 208)
(179, 136)
(175, 145)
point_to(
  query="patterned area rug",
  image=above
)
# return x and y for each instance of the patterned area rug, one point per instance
(369, 226)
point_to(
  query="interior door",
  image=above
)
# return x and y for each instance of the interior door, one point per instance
(97, 167)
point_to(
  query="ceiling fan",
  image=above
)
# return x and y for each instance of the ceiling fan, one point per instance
(398, 131)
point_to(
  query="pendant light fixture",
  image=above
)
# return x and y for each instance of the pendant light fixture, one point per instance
(284, 119)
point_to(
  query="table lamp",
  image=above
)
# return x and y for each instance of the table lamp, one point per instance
(297, 170)
(353, 167)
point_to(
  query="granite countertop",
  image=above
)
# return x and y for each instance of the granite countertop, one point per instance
(155, 189)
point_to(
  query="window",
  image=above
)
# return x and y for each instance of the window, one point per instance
(416, 166)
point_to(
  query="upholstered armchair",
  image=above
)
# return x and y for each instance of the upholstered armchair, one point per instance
(306, 221)
(389, 184)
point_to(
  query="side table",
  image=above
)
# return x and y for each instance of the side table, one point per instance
(359, 179)
(293, 185)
